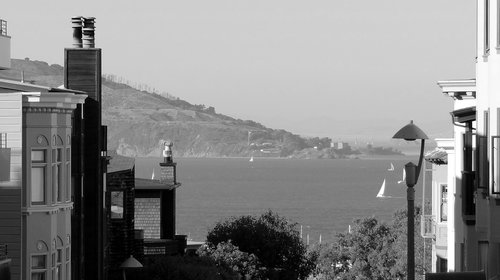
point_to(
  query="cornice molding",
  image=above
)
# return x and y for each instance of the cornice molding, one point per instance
(47, 110)
(459, 89)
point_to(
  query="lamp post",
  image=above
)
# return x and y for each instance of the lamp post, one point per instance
(411, 132)
(130, 263)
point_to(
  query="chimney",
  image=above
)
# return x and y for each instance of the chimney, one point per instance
(88, 33)
(77, 31)
(83, 32)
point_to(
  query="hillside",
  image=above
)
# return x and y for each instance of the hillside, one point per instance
(139, 120)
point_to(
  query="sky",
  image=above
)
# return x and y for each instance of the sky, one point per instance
(331, 68)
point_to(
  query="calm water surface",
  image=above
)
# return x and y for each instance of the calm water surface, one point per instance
(324, 196)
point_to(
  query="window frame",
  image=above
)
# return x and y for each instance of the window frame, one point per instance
(486, 27)
(38, 270)
(123, 205)
(441, 203)
(68, 174)
(40, 164)
(494, 162)
(57, 175)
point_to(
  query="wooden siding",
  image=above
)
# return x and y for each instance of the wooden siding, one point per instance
(10, 225)
(11, 123)
(10, 191)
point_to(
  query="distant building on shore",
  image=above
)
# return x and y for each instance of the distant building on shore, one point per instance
(340, 145)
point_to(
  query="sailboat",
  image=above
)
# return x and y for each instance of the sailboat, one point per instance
(381, 192)
(404, 177)
(153, 175)
(391, 168)
(251, 159)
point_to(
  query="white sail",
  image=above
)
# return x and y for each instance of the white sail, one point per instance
(382, 190)
(404, 177)
(391, 168)
(153, 175)
(251, 159)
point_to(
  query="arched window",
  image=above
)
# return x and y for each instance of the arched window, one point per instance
(57, 260)
(38, 261)
(68, 257)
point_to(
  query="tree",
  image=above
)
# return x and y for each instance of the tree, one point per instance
(272, 239)
(372, 250)
(225, 254)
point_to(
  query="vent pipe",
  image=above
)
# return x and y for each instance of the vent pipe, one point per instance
(88, 33)
(77, 31)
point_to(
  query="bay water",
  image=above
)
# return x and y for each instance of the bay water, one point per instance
(321, 196)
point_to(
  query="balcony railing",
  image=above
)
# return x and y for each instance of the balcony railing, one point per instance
(155, 247)
(3, 27)
(428, 226)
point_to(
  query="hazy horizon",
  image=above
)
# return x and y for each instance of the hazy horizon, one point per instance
(341, 69)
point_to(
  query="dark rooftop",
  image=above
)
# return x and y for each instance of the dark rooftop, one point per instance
(148, 184)
(119, 163)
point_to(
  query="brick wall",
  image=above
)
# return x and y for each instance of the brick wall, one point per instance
(147, 216)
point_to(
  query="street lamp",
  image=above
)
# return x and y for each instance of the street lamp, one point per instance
(129, 263)
(411, 132)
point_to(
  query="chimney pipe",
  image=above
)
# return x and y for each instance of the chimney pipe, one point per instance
(77, 31)
(88, 33)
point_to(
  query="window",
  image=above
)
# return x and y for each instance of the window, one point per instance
(57, 175)
(486, 26)
(442, 265)
(38, 267)
(482, 163)
(498, 23)
(38, 177)
(117, 205)
(68, 262)
(483, 255)
(495, 143)
(444, 202)
(68, 174)
(58, 267)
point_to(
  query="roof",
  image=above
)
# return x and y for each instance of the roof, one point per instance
(27, 87)
(459, 89)
(464, 115)
(148, 184)
(437, 156)
(119, 163)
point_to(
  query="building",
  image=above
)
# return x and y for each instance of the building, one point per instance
(4, 46)
(473, 235)
(35, 124)
(155, 209)
(435, 226)
(82, 72)
(120, 186)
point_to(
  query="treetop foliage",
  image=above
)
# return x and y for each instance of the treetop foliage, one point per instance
(271, 238)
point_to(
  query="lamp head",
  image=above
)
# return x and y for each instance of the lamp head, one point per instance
(410, 132)
(131, 262)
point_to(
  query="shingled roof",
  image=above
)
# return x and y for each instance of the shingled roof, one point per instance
(119, 163)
